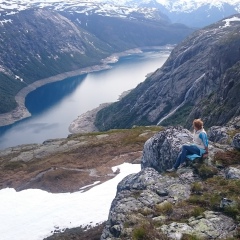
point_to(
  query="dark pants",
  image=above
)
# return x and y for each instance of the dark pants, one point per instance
(186, 150)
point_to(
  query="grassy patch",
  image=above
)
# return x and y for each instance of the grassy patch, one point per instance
(215, 189)
(205, 171)
(179, 117)
(147, 232)
(165, 208)
(13, 165)
(227, 158)
(190, 237)
(197, 211)
(197, 188)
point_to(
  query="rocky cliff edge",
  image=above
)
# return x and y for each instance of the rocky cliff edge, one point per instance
(200, 201)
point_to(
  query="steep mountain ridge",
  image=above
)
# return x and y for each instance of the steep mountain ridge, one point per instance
(195, 74)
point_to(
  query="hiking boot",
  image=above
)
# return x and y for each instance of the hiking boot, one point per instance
(182, 165)
(171, 170)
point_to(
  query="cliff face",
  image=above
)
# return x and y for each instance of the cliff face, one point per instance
(200, 74)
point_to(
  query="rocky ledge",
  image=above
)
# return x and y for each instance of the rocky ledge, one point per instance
(200, 201)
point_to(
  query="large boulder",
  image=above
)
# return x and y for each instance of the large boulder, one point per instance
(229, 134)
(219, 134)
(139, 193)
(147, 197)
(161, 150)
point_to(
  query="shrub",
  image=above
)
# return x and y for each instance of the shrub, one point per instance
(197, 211)
(198, 200)
(190, 237)
(13, 165)
(227, 158)
(197, 187)
(205, 171)
(147, 232)
(164, 208)
(140, 233)
(232, 211)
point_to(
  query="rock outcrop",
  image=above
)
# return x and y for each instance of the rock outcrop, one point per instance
(154, 204)
(161, 151)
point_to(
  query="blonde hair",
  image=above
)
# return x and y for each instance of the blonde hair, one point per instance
(198, 123)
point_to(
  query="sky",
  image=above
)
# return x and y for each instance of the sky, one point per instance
(33, 213)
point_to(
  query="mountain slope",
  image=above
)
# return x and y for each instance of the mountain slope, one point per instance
(192, 12)
(200, 74)
(39, 43)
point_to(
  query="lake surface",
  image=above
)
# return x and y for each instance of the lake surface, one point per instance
(55, 105)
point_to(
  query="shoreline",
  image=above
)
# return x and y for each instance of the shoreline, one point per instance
(21, 112)
(84, 123)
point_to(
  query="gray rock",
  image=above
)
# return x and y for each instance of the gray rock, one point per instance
(236, 141)
(219, 134)
(232, 173)
(211, 225)
(235, 122)
(161, 150)
(225, 202)
(140, 192)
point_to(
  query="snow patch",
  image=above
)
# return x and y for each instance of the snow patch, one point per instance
(18, 78)
(34, 214)
(229, 20)
(6, 21)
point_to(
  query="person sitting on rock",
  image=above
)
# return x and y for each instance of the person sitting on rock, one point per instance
(199, 146)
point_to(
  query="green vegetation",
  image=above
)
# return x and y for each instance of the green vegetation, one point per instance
(215, 189)
(190, 237)
(164, 208)
(197, 211)
(147, 232)
(227, 158)
(8, 89)
(179, 117)
(197, 187)
(205, 171)
(206, 194)
(13, 165)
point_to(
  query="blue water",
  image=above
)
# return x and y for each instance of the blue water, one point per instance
(55, 105)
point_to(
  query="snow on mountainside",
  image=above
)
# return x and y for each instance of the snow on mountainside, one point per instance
(179, 5)
(13, 6)
(195, 13)
(88, 7)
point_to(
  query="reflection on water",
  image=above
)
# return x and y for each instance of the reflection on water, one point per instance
(54, 106)
(47, 96)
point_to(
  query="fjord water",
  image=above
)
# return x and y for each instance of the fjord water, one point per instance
(55, 105)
